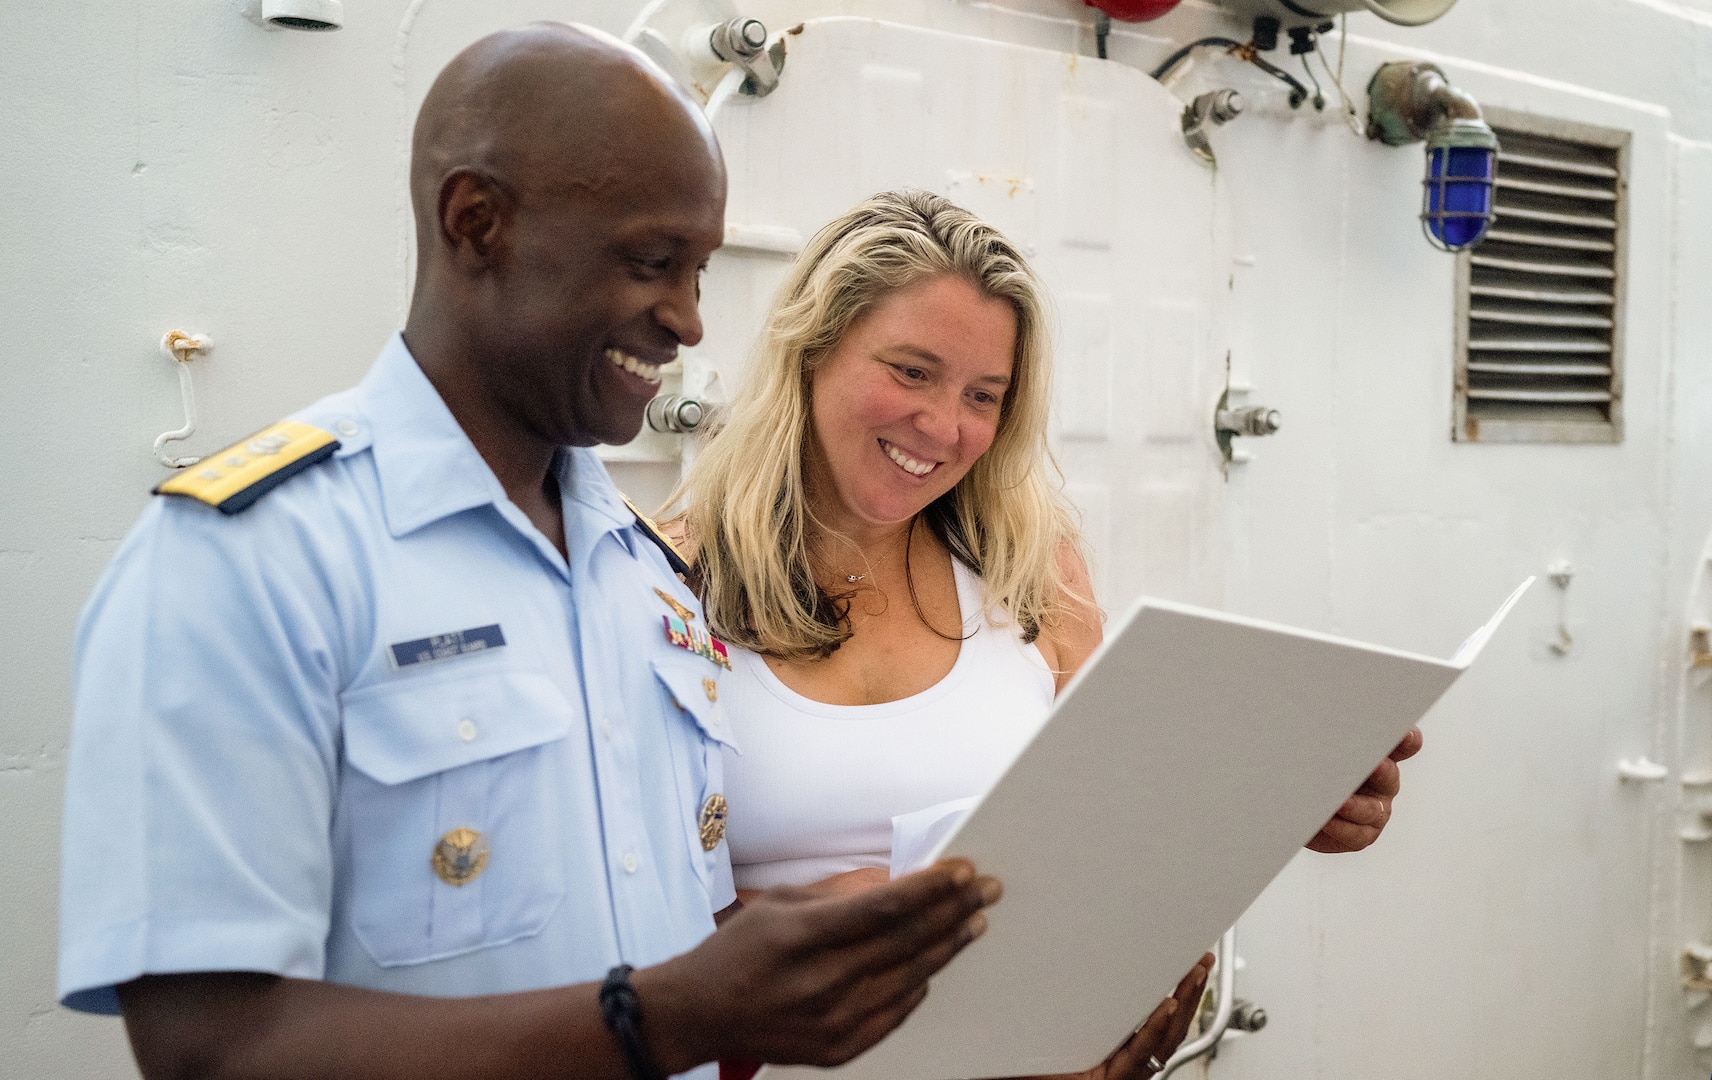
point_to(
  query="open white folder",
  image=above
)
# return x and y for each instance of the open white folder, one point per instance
(1182, 769)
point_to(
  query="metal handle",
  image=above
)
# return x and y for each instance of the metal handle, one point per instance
(1223, 1006)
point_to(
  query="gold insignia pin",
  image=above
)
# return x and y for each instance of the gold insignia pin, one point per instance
(712, 821)
(712, 689)
(678, 609)
(461, 856)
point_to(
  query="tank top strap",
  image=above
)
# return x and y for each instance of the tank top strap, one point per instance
(971, 597)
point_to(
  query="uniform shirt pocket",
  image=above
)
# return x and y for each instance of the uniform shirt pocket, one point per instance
(452, 807)
(691, 686)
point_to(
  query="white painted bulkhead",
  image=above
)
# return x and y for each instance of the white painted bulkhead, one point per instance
(172, 165)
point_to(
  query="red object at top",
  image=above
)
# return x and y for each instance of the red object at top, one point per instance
(1134, 10)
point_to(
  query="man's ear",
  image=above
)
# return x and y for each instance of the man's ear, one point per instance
(474, 212)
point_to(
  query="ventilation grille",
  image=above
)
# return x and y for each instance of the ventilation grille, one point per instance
(1539, 335)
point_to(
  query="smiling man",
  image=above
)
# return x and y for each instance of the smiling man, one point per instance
(398, 746)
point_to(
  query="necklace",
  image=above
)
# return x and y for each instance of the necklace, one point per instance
(854, 578)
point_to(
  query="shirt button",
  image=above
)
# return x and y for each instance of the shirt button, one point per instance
(347, 427)
(467, 730)
(606, 727)
(630, 862)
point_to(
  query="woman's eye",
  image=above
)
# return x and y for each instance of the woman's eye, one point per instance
(913, 374)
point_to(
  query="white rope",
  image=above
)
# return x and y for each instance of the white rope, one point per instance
(183, 348)
(1349, 114)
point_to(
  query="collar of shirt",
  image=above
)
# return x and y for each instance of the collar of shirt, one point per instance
(429, 469)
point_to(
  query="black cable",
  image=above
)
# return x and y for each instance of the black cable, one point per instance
(1319, 92)
(1298, 92)
(1178, 57)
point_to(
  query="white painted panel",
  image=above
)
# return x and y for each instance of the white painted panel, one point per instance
(1174, 399)
(890, 135)
(1085, 135)
(1084, 392)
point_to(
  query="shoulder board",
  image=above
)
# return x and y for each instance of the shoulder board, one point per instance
(232, 480)
(674, 557)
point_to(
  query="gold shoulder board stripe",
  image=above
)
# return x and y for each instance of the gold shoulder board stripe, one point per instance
(674, 557)
(232, 480)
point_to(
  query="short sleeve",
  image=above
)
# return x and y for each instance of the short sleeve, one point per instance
(204, 755)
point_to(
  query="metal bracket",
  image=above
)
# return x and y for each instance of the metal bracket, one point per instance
(1700, 646)
(1641, 770)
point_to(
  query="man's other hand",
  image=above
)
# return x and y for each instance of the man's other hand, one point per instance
(812, 975)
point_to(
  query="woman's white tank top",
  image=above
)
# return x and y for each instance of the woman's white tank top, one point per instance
(814, 787)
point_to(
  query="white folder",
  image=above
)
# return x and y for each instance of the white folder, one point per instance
(1190, 759)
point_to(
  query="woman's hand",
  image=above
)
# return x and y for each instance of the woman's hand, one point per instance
(1145, 1052)
(1363, 816)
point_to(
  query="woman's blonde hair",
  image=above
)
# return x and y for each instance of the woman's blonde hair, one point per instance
(747, 506)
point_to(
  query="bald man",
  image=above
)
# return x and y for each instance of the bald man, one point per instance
(397, 743)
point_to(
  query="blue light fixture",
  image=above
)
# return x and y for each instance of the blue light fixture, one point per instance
(1409, 102)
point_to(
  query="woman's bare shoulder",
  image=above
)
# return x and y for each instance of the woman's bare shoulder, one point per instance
(1072, 636)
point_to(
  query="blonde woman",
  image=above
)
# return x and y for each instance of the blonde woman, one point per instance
(878, 529)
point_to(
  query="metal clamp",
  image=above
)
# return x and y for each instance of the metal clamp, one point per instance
(742, 42)
(1255, 420)
(1209, 110)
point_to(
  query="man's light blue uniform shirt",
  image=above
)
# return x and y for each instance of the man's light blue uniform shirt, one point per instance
(258, 780)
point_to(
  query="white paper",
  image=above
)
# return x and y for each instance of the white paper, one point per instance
(1477, 640)
(916, 837)
(1181, 770)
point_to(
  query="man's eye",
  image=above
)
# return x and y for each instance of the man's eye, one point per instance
(913, 374)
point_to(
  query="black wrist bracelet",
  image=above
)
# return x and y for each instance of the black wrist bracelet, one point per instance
(621, 1008)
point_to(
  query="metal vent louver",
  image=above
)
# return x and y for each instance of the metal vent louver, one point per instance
(1540, 313)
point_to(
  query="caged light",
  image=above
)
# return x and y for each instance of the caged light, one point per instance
(1462, 161)
(1411, 102)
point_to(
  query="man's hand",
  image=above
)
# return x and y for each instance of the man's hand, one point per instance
(812, 975)
(1157, 1038)
(1362, 817)
(798, 975)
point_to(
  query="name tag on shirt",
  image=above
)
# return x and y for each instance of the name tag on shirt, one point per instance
(430, 650)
